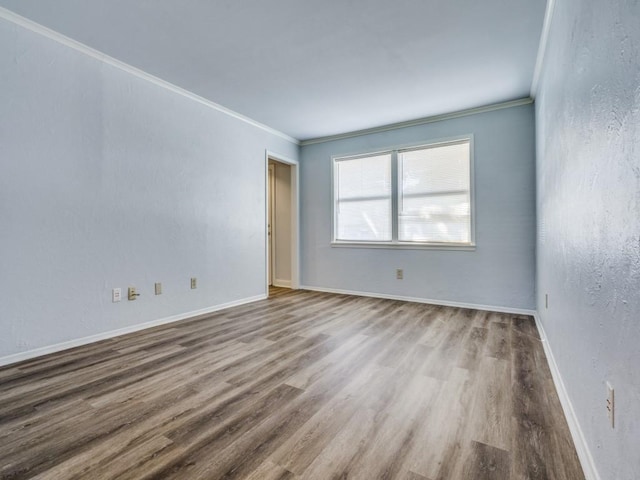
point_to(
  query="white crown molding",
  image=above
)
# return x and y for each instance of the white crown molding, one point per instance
(38, 352)
(420, 121)
(444, 303)
(91, 52)
(584, 454)
(542, 47)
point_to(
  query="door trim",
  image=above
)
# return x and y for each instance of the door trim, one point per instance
(295, 216)
(271, 226)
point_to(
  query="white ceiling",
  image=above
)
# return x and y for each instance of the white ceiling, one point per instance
(316, 68)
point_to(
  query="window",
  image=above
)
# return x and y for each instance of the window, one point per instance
(363, 199)
(411, 197)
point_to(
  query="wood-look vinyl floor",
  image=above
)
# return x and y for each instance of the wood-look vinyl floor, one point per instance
(304, 385)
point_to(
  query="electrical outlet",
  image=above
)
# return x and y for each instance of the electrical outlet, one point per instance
(194, 282)
(546, 300)
(158, 287)
(399, 274)
(116, 295)
(133, 293)
(611, 405)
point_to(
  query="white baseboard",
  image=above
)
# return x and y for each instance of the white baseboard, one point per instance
(282, 283)
(586, 460)
(38, 352)
(445, 303)
(584, 455)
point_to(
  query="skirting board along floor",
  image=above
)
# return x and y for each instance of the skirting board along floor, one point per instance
(445, 303)
(302, 385)
(58, 347)
(586, 460)
(282, 283)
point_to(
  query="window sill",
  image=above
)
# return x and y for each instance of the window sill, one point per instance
(406, 245)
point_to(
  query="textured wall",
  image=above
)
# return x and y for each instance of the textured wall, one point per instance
(107, 180)
(588, 177)
(499, 273)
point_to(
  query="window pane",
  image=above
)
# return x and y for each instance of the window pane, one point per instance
(363, 199)
(366, 220)
(434, 201)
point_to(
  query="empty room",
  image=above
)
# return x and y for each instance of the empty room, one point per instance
(320, 240)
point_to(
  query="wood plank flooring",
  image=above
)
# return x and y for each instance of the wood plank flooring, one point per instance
(304, 385)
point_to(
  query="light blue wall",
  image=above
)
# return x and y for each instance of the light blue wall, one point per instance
(588, 177)
(499, 273)
(108, 180)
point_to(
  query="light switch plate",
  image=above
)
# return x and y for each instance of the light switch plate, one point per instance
(116, 295)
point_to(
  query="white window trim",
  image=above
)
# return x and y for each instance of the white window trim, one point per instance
(396, 244)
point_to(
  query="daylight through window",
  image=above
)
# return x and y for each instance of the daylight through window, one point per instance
(414, 196)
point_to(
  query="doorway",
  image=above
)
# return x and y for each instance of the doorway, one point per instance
(281, 223)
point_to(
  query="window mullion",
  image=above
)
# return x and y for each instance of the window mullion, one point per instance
(395, 189)
(429, 185)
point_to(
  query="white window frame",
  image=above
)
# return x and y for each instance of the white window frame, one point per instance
(395, 187)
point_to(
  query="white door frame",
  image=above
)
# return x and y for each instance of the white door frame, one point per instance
(295, 216)
(271, 225)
